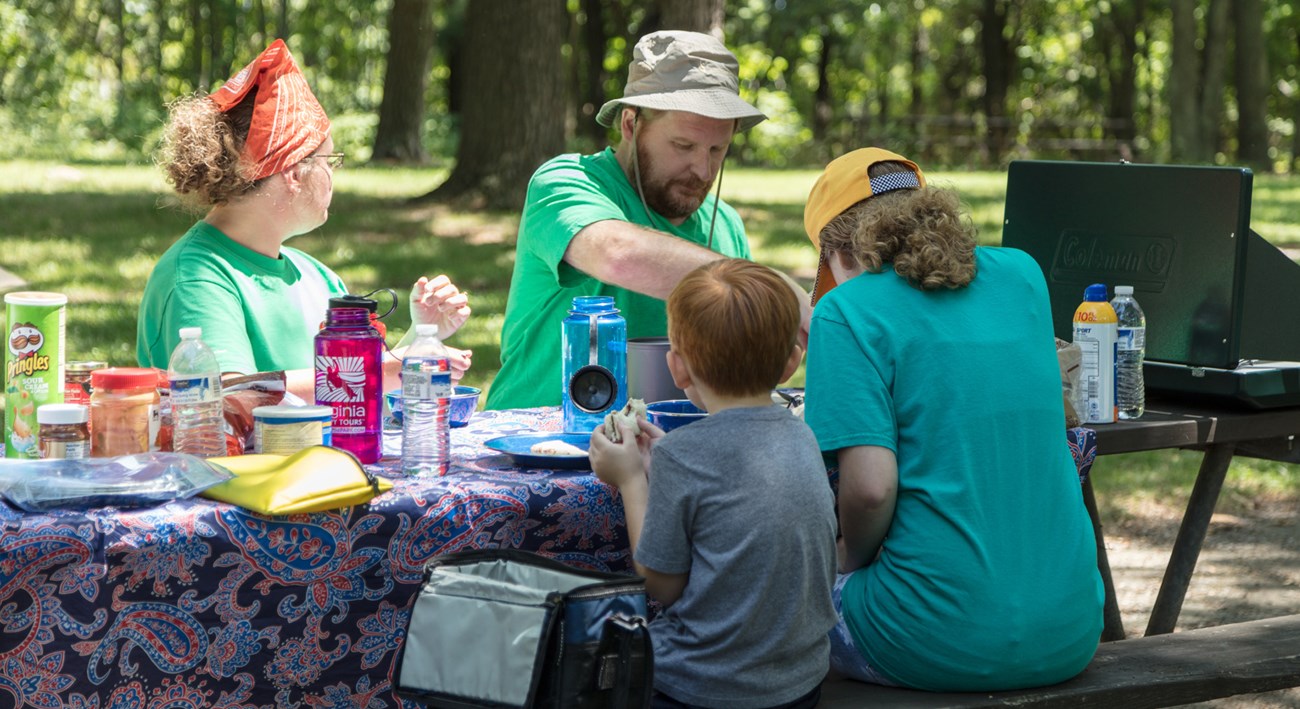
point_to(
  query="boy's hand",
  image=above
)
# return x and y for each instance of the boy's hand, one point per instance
(619, 464)
(647, 439)
(440, 302)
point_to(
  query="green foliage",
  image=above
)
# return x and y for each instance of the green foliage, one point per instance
(80, 81)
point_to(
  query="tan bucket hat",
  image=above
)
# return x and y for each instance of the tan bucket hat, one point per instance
(684, 71)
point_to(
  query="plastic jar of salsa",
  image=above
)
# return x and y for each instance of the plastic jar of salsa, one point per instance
(123, 411)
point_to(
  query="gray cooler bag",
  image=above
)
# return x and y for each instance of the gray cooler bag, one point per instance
(508, 628)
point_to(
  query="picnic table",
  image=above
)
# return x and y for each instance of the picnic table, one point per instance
(1220, 432)
(202, 603)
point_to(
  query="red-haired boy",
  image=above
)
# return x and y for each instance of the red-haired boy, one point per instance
(734, 525)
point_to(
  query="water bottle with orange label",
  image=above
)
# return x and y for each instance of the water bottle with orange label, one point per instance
(1096, 331)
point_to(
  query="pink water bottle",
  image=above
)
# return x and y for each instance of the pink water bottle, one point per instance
(350, 380)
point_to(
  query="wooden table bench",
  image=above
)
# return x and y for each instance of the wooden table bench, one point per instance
(1153, 671)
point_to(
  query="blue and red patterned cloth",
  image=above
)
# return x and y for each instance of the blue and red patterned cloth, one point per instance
(198, 603)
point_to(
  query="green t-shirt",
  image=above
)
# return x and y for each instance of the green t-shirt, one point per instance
(258, 314)
(988, 577)
(566, 194)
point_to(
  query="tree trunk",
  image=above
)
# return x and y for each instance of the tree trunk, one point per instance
(119, 59)
(1252, 85)
(916, 73)
(592, 78)
(1184, 101)
(695, 15)
(258, 36)
(1295, 121)
(997, 74)
(1213, 81)
(822, 109)
(201, 77)
(1123, 72)
(401, 112)
(282, 21)
(160, 39)
(513, 117)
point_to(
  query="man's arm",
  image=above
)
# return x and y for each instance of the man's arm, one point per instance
(634, 257)
(868, 493)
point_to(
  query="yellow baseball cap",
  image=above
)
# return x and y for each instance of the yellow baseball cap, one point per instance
(841, 185)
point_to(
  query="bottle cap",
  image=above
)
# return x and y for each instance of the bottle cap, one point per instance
(426, 330)
(84, 367)
(354, 301)
(61, 413)
(124, 378)
(1123, 290)
(191, 333)
(1095, 293)
(285, 412)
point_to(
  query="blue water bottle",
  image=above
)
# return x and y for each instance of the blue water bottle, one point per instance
(595, 362)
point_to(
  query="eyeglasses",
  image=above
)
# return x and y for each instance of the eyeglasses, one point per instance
(334, 160)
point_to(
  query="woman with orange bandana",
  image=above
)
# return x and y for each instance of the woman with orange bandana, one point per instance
(257, 153)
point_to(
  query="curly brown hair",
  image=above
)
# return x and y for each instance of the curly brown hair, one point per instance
(201, 148)
(922, 233)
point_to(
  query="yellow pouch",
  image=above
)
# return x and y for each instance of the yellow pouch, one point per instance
(314, 479)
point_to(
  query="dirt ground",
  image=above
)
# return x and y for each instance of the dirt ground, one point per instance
(1249, 568)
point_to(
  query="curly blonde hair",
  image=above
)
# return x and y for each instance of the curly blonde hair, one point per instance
(201, 148)
(922, 233)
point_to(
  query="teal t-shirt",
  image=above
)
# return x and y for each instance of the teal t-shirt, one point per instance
(988, 576)
(566, 194)
(258, 314)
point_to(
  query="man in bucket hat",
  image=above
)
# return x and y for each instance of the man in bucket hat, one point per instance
(630, 221)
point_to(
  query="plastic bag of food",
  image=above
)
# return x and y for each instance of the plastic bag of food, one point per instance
(140, 480)
(1070, 359)
(240, 394)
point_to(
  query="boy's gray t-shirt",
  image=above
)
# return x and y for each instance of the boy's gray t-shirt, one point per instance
(740, 501)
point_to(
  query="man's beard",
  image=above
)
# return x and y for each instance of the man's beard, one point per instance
(661, 196)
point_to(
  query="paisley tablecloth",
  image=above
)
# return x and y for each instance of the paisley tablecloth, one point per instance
(202, 604)
(199, 603)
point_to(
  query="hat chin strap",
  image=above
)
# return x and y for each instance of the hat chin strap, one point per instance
(640, 191)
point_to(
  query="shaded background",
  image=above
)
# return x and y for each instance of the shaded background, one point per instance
(490, 88)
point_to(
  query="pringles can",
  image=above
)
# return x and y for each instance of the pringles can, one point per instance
(33, 365)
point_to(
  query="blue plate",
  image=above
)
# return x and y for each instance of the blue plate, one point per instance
(519, 448)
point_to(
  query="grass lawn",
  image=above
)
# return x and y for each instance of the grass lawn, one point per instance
(94, 232)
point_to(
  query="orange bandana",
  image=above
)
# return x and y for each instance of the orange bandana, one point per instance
(288, 122)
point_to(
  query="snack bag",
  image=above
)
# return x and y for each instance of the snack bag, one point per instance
(240, 394)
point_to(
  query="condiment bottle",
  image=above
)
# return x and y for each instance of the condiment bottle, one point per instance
(1095, 332)
(76, 381)
(123, 410)
(63, 431)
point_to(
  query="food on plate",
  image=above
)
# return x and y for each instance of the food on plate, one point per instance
(634, 409)
(556, 447)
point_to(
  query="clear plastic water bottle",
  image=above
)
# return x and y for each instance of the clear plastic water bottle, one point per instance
(426, 403)
(194, 378)
(1130, 351)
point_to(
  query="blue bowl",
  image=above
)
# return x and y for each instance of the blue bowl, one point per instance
(464, 401)
(673, 413)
